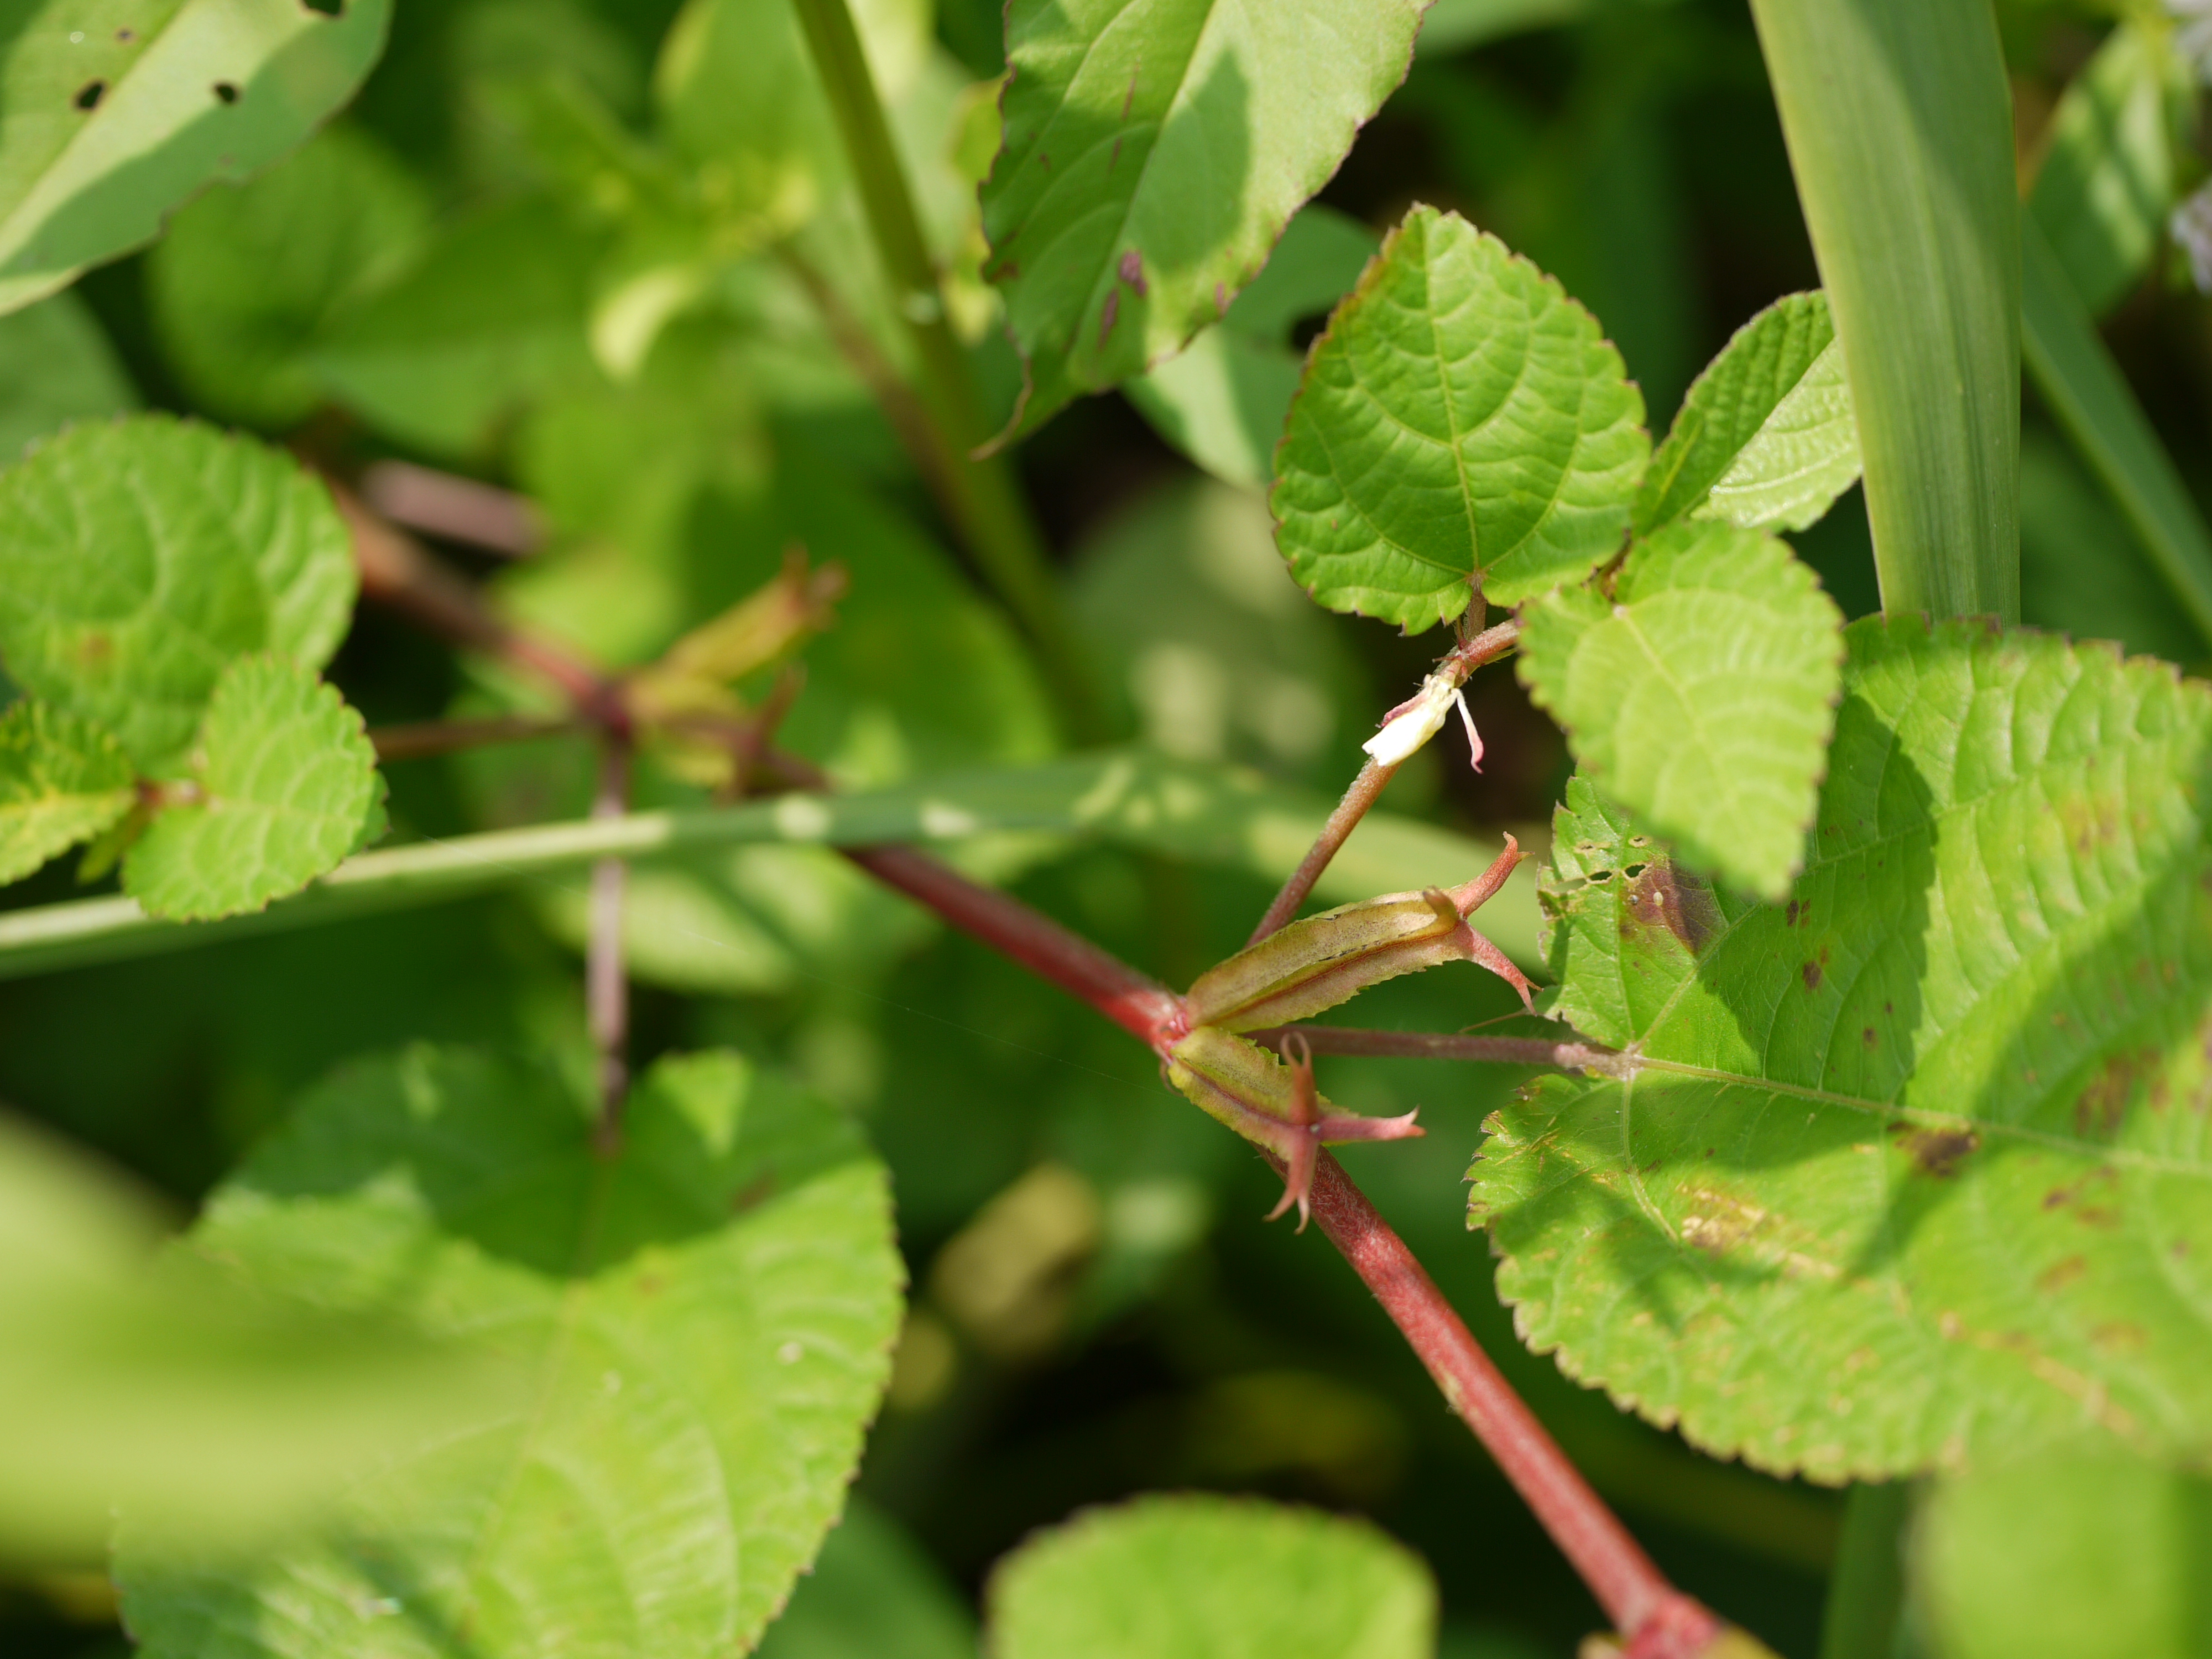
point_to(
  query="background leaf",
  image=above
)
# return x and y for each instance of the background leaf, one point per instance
(1164, 1577)
(1459, 417)
(2082, 567)
(138, 559)
(56, 366)
(1154, 154)
(284, 779)
(1899, 124)
(1701, 695)
(709, 1314)
(874, 1594)
(61, 781)
(109, 128)
(1765, 438)
(1905, 1173)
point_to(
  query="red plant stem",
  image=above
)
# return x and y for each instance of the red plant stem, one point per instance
(1141, 1007)
(459, 509)
(1634, 1592)
(606, 985)
(413, 742)
(1366, 789)
(1442, 1045)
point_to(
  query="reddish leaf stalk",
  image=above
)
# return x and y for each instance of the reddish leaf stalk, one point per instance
(459, 509)
(1367, 788)
(606, 984)
(425, 737)
(1443, 1045)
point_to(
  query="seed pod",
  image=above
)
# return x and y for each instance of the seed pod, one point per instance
(1311, 965)
(1275, 1106)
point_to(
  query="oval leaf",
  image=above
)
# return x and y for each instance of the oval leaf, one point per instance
(1192, 1577)
(61, 781)
(710, 1313)
(107, 128)
(1765, 438)
(138, 559)
(1154, 152)
(1914, 1166)
(284, 779)
(1460, 418)
(1721, 750)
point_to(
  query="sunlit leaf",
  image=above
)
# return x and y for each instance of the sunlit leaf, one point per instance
(1153, 155)
(1701, 694)
(113, 116)
(1461, 418)
(62, 781)
(1766, 437)
(138, 559)
(1224, 1578)
(283, 781)
(56, 366)
(1910, 1169)
(249, 278)
(709, 1314)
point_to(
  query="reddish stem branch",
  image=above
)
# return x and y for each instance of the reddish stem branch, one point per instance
(1634, 1592)
(1442, 1045)
(459, 509)
(606, 985)
(424, 737)
(1460, 662)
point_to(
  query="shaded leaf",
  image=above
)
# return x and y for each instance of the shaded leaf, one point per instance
(1701, 695)
(1223, 399)
(56, 366)
(248, 279)
(1460, 418)
(2086, 1553)
(138, 559)
(708, 1313)
(1766, 437)
(2081, 568)
(1913, 1168)
(1154, 154)
(109, 128)
(874, 1594)
(61, 781)
(283, 780)
(1222, 1577)
(2105, 181)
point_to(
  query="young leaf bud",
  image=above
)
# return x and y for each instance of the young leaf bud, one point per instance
(1311, 965)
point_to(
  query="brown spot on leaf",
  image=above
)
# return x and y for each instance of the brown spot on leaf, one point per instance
(227, 91)
(2098, 1109)
(1812, 975)
(1129, 98)
(1869, 1038)
(88, 96)
(1938, 1152)
(1106, 316)
(1131, 269)
(2057, 1276)
(1660, 896)
(94, 650)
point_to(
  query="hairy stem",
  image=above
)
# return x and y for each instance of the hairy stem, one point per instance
(606, 984)
(985, 502)
(1367, 788)
(1443, 1045)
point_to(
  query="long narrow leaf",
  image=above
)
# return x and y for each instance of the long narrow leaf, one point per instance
(1900, 127)
(2085, 390)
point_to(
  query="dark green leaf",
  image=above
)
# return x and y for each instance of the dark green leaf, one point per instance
(1194, 1577)
(2081, 568)
(709, 1314)
(283, 782)
(109, 128)
(1154, 154)
(1766, 437)
(56, 366)
(1911, 1170)
(61, 781)
(874, 1594)
(1460, 418)
(1701, 694)
(138, 559)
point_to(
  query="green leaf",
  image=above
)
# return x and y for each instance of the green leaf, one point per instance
(1153, 155)
(61, 781)
(2083, 1553)
(283, 780)
(1222, 1577)
(1223, 399)
(874, 1594)
(138, 559)
(1701, 695)
(108, 128)
(2091, 399)
(493, 314)
(1911, 1170)
(709, 1312)
(56, 366)
(1899, 118)
(1457, 24)
(2081, 570)
(249, 278)
(1460, 418)
(2105, 181)
(1765, 438)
